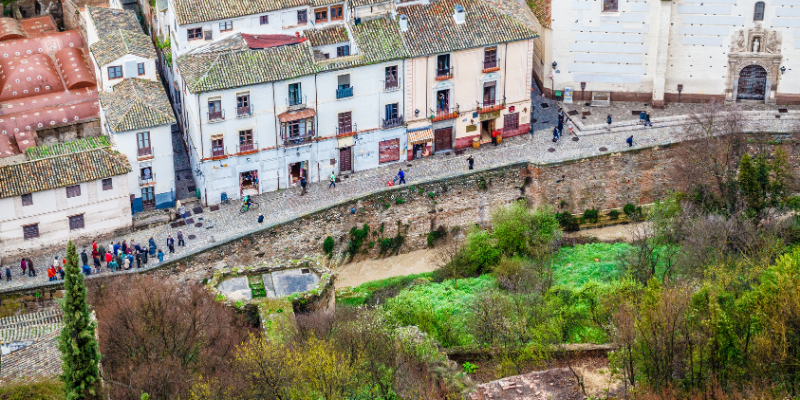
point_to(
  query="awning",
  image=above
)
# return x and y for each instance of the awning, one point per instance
(295, 115)
(417, 137)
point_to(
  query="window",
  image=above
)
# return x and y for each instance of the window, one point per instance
(30, 231)
(393, 118)
(345, 122)
(215, 109)
(489, 91)
(758, 15)
(264, 19)
(490, 58)
(194, 33)
(140, 68)
(27, 199)
(321, 15)
(246, 140)
(337, 13)
(217, 148)
(146, 174)
(76, 222)
(301, 128)
(392, 111)
(302, 17)
(225, 26)
(344, 81)
(73, 191)
(108, 184)
(143, 144)
(443, 65)
(295, 96)
(344, 89)
(342, 51)
(611, 5)
(443, 101)
(148, 197)
(243, 104)
(115, 72)
(391, 77)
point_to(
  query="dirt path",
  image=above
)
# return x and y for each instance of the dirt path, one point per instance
(616, 232)
(415, 262)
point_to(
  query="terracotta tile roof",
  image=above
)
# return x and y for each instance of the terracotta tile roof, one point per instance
(541, 9)
(231, 43)
(122, 42)
(75, 146)
(136, 104)
(108, 21)
(432, 29)
(194, 11)
(363, 3)
(39, 358)
(236, 68)
(378, 40)
(60, 171)
(319, 3)
(330, 35)
(266, 41)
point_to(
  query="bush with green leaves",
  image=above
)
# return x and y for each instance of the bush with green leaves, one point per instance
(357, 237)
(328, 245)
(591, 215)
(520, 230)
(567, 221)
(613, 214)
(633, 212)
(469, 368)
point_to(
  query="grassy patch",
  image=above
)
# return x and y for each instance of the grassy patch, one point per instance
(375, 292)
(577, 265)
(256, 283)
(42, 390)
(276, 314)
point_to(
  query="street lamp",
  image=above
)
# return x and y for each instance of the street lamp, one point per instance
(680, 89)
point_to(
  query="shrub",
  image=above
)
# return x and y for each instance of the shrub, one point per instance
(567, 221)
(357, 237)
(614, 214)
(520, 230)
(480, 253)
(42, 390)
(591, 215)
(469, 368)
(434, 236)
(400, 200)
(390, 246)
(328, 245)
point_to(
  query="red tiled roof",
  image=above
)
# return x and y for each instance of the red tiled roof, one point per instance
(47, 44)
(267, 41)
(38, 26)
(28, 76)
(295, 115)
(75, 69)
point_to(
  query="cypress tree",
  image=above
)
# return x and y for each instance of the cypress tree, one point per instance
(748, 184)
(79, 351)
(779, 188)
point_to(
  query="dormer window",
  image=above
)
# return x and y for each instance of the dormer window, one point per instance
(302, 17)
(321, 15)
(194, 33)
(337, 13)
(342, 51)
(225, 26)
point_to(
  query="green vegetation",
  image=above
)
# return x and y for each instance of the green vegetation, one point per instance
(77, 344)
(75, 146)
(591, 215)
(41, 390)
(574, 266)
(357, 237)
(613, 214)
(375, 292)
(328, 245)
(256, 283)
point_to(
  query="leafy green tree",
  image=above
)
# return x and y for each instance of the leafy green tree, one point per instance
(480, 253)
(749, 184)
(781, 176)
(79, 351)
(522, 231)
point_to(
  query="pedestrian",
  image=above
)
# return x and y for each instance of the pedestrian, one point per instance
(95, 254)
(126, 262)
(51, 273)
(170, 244)
(494, 137)
(139, 260)
(333, 180)
(555, 135)
(152, 244)
(84, 257)
(303, 184)
(124, 247)
(97, 263)
(117, 247)
(109, 257)
(608, 121)
(113, 265)
(94, 245)
(101, 251)
(642, 118)
(260, 218)
(180, 239)
(160, 256)
(144, 256)
(31, 271)
(471, 162)
(136, 246)
(629, 140)
(8, 274)
(560, 128)
(647, 120)
(23, 265)
(61, 272)
(86, 270)
(571, 127)
(561, 115)
(401, 176)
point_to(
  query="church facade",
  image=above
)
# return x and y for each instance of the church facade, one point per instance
(657, 51)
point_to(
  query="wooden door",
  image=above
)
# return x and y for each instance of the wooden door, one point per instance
(345, 123)
(443, 139)
(346, 159)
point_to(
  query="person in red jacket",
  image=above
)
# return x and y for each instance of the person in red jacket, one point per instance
(494, 137)
(51, 273)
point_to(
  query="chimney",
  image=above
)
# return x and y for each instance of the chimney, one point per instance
(403, 23)
(459, 15)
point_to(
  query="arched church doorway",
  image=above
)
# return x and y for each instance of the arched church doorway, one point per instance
(752, 83)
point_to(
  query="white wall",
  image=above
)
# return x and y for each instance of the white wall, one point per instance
(161, 161)
(150, 71)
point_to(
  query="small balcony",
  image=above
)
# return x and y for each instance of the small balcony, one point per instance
(294, 141)
(389, 123)
(296, 103)
(345, 92)
(246, 148)
(491, 105)
(217, 152)
(147, 181)
(443, 113)
(491, 65)
(443, 74)
(391, 84)
(244, 111)
(216, 116)
(145, 153)
(346, 130)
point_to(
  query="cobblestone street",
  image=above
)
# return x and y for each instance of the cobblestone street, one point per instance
(204, 228)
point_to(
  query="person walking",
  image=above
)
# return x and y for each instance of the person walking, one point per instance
(152, 244)
(109, 258)
(260, 219)
(180, 239)
(571, 127)
(647, 120)
(101, 251)
(560, 128)
(160, 256)
(608, 121)
(84, 257)
(61, 272)
(124, 247)
(8, 274)
(303, 184)
(96, 262)
(31, 270)
(51, 273)
(94, 245)
(23, 265)
(170, 243)
(629, 140)
(494, 137)
(471, 162)
(401, 177)
(555, 135)
(642, 118)
(333, 180)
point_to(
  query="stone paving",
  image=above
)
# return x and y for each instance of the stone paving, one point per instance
(227, 223)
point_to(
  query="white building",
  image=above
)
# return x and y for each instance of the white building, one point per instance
(654, 51)
(138, 117)
(67, 196)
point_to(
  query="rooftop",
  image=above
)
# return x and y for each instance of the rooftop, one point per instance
(75, 146)
(196, 11)
(33, 341)
(61, 171)
(330, 35)
(137, 104)
(109, 20)
(120, 43)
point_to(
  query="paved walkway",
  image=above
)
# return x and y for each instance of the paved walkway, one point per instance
(227, 222)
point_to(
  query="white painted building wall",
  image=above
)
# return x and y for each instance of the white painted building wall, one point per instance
(129, 64)
(105, 211)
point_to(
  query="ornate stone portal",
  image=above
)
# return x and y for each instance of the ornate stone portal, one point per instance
(760, 48)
